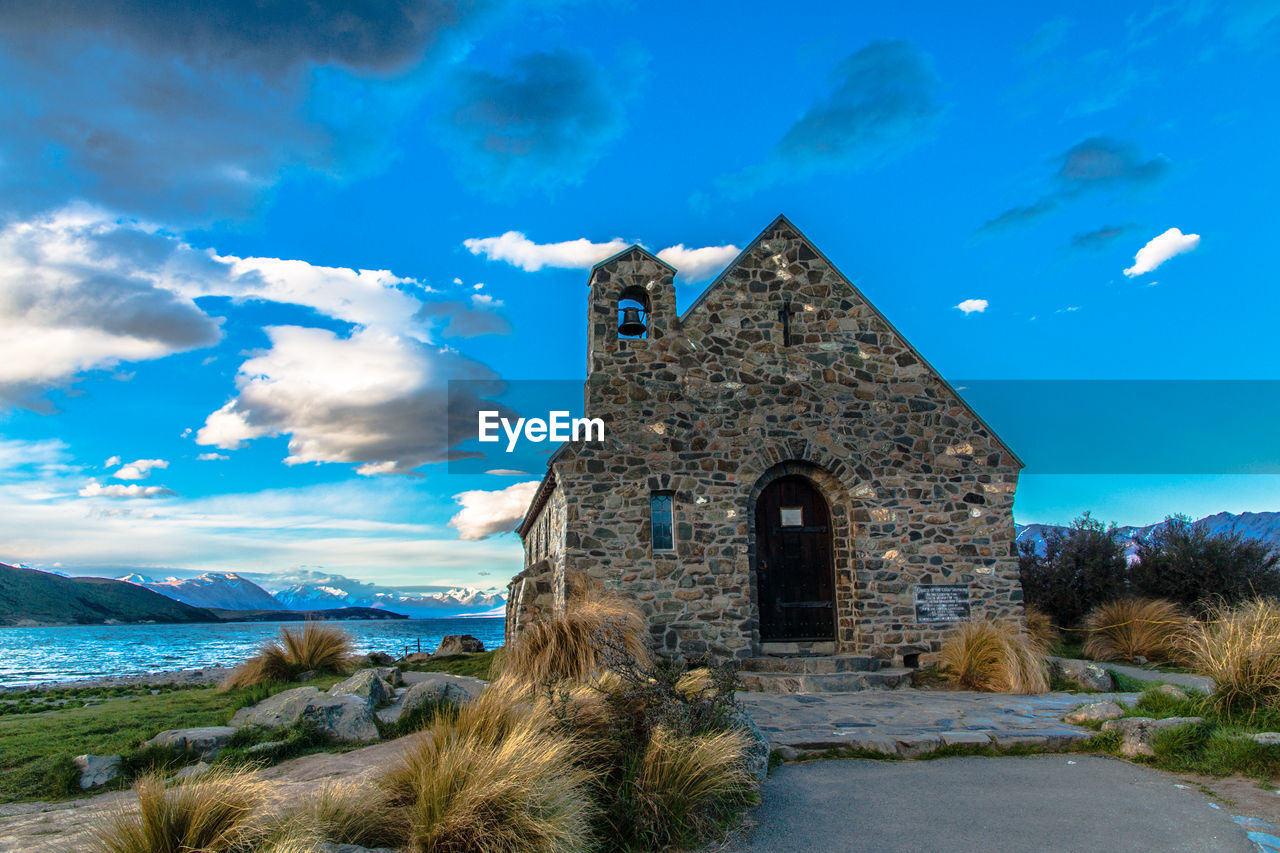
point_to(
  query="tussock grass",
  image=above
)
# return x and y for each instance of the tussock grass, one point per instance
(1126, 628)
(1041, 630)
(566, 647)
(218, 812)
(1239, 648)
(995, 657)
(316, 647)
(685, 786)
(351, 812)
(516, 787)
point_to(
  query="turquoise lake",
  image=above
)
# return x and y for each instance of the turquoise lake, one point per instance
(33, 655)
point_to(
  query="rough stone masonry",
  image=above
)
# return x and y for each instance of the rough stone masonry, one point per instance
(780, 373)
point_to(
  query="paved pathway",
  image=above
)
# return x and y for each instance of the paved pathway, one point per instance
(1045, 802)
(1183, 679)
(910, 722)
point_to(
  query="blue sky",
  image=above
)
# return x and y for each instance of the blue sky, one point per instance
(251, 251)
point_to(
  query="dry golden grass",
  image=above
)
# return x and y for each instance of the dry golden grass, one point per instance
(683, 783)
(511, 788)
(350, 812)
(567, 646)
(1123, 629)
(996, 657)
(1040, 629)
(218, 811)
(1239, 648)
(694, 683)
(315, 647)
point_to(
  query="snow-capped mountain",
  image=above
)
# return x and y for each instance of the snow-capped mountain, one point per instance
(227, 591)
(1251, 525)
(419, 605)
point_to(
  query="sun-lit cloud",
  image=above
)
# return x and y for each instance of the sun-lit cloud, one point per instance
(515, 248)
(94, 489)
(1160, 249)
(213, 457)
(973, 306)
(487, 513)
(695, 265)
(139, 469)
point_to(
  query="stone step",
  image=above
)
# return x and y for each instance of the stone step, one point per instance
(812, 665)
(829, 682)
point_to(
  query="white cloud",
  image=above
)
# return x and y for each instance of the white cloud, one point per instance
(507, 472)
(699, 264)
(1160, 249)
(518, 250)
(139, 469)
(111, 462)
(485, 513)
(484, 300)
(971, 306)
(212, 457)
(373, 398)
(94, 489)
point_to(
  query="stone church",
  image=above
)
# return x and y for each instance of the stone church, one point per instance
(782, 472)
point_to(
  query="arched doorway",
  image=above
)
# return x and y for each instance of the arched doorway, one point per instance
(794, 577)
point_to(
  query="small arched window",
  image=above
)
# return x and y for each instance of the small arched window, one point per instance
(633, 313)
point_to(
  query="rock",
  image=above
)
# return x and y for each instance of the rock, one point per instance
(1265, 738)
(1139, 660)
(204, 742)
(278, 711)
(1088, 675)
(1095, 711)
(306, 676)
(367, 685)
(389, 674)
(416, 657)
(1136, 732)
(265, 746)
(757, 744)
(344, 717)
(458, 644)
(191, 771)
(427, 687)
(1172, 691)
(97, 770)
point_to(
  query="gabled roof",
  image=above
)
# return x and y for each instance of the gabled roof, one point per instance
(634, 247)
(782, 220)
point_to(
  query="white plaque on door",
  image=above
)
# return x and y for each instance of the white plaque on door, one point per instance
(792, 516)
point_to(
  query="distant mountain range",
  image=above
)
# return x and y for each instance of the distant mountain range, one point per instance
(230, 591)
(1252, 525)
(31, 597)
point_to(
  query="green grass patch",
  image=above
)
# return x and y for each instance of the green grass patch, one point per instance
(475, 665)
(1129, 684)
(36, 749)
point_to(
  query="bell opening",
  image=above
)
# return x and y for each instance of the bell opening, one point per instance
(633, 322)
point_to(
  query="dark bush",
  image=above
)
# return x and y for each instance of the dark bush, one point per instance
(1079, 570)
(1192, 565)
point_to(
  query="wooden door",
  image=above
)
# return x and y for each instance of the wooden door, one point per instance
(794, 577)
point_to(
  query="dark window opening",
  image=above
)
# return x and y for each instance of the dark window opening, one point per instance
(785, 313)
(661, 512)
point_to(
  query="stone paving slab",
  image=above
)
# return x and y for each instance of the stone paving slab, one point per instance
(910, 723)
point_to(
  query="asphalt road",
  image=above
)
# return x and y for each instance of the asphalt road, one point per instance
(1024, 804)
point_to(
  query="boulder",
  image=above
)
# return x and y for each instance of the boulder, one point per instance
(458, 644)
(345, 717)
(1086, 674)
(205, 742)
(427, 687)
(389, 674)
(278, 711)
(191, 771)
(416, 657)
(367, 685)
(1172, 691)
(1094, 711)
(1265, 738)
(97, 770)
(1136, 732)
(757, 744)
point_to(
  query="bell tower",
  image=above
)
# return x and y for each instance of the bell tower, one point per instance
(631, 305)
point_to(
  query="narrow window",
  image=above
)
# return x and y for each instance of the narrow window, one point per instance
(661, 506)
(784, 314)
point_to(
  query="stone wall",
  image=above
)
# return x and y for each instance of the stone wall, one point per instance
(715, 406)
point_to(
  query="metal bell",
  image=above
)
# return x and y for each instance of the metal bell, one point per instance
(632, 326)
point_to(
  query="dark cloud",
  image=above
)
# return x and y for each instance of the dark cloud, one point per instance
(192, 112)
(1097, 163)
(1098, 238)
(883, 97)
(545, 120)
(464, 319)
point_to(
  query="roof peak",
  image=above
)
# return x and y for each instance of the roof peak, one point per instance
(634, 247)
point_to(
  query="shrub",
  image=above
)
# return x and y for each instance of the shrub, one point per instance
(217, 812)
(1191, 565)
(566, 647)
(994, 657)
(317, 647)
(1040, 629)
(1080, 569)
(1130, 627)
(1239, 648)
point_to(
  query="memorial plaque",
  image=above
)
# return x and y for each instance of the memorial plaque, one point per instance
(941, 603)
